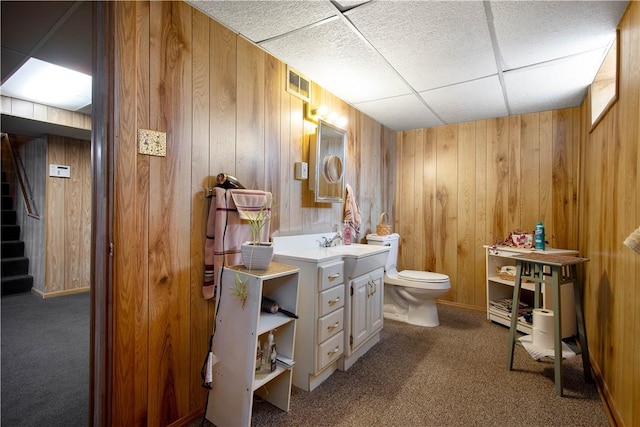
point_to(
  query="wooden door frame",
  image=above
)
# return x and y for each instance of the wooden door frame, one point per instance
(101, 324)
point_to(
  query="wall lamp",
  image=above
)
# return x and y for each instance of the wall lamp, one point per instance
(313, 114)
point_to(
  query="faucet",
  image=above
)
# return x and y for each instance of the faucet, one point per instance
(326, 243)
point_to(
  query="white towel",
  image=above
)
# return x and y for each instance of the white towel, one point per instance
(351, 210)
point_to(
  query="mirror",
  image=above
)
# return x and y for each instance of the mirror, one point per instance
(327, 150)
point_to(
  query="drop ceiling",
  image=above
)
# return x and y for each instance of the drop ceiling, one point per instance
(407, 64)
(418, 64)
(58, 32)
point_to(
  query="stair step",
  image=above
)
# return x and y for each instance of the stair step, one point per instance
(15, 266)
(9, 217)
(16, 284)
(12, 248)
(7, 202)
(5, 188)
(10, 232)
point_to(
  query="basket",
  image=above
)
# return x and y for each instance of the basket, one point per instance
(383, 228)
(507, 276)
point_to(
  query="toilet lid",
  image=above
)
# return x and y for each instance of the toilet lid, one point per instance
(423, 276)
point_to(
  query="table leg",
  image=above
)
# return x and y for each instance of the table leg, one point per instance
(582, 334)
(557, 331)
(537, 273)
(515, 304)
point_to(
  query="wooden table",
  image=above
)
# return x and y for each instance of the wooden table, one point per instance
(555, 270)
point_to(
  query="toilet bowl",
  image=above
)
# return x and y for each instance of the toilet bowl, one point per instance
(409, 295)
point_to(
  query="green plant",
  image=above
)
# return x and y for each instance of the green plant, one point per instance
(240, 289)
(257, 221)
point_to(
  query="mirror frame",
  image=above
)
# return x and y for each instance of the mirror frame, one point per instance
(327, 158)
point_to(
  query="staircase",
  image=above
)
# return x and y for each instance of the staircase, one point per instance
(15, 266)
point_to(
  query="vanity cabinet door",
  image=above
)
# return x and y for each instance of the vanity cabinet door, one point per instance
(359, 313)
(376, 302)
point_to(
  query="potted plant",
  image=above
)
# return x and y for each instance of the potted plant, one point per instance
(257, 255)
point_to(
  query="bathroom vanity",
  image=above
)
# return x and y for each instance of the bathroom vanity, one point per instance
(340, 303)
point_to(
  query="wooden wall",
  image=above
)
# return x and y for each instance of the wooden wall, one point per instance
(58, 243)
(470, 184)
(609, 210)
(68, 217)
(44, 113)
(33, 151)
(223, 105)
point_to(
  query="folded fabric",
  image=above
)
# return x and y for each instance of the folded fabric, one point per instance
(250, 202)
(351, 210)
(226, 232)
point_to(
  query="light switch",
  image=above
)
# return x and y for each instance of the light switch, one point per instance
(301, 170)
(152, 142)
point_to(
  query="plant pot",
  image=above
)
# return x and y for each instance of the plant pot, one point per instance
(257, 256)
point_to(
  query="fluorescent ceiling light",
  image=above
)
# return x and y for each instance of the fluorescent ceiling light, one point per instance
(49, 84)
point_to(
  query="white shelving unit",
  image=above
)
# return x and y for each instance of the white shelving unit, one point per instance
(238, 330)
(499, 288)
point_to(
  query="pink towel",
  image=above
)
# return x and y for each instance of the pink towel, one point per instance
(351, 210)
(226, 232)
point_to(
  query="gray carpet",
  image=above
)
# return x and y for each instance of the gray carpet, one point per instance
(45, 360)
(451, 375)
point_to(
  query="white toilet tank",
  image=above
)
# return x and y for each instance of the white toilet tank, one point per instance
(393, 241)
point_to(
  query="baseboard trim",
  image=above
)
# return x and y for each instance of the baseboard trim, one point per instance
(457, 304)
(188, 419)
(60, 293)
(608, 402)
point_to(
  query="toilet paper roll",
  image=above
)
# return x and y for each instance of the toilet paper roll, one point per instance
(543, 336)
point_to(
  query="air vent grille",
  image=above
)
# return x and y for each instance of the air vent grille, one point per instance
(298, 85)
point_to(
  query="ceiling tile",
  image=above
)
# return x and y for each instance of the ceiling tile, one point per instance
(464, 102)
(431, 43)
(400, 113)
(553, 85)
(262, 20)
(334, 57)
(532, 32)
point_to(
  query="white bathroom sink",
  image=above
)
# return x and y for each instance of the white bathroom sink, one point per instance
(354, 250)
(360, 259)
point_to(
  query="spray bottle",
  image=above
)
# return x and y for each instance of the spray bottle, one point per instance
(539, 238)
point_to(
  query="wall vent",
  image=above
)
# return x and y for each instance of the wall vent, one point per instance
(298, 85)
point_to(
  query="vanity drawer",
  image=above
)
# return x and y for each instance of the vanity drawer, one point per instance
(330, 350)
(330, 275)
(330, 300)
(330, 324)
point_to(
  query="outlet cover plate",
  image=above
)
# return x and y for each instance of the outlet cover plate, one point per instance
(152, 142)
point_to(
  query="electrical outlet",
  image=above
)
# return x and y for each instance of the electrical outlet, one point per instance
(152, 142)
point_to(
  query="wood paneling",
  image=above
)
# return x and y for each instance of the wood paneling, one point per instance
(33, 151)
(609, 210)
(68, 217)
(473, 183)
(44, 113)
(223, 104)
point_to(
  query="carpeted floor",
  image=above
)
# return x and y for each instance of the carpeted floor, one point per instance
(45, 360)
(451, 375)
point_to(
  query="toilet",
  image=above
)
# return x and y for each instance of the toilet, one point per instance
(409, 295)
